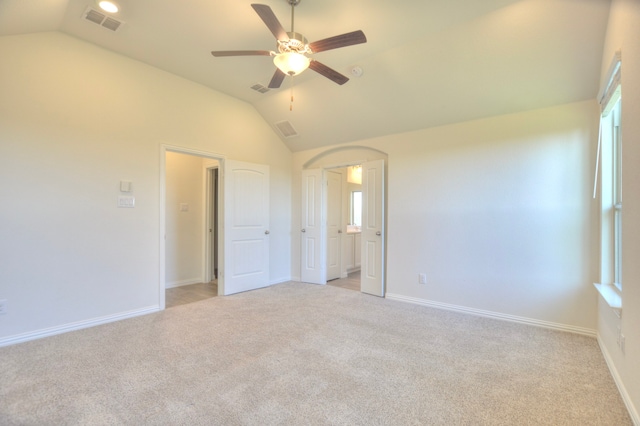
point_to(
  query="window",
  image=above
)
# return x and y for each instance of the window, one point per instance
(611, 189)
(356, 208)
(615, 203)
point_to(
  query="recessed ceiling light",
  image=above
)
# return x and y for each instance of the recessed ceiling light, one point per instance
(108, 6)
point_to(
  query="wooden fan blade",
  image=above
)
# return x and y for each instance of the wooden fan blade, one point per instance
(331, 74)
(269, 18)
(348, 39)
(277, 79)
(241, 53)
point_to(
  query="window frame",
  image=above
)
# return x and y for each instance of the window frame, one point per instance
(352, 212)
(611, 191)
(609, 161)
(617, 193)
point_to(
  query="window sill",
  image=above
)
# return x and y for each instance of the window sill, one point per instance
(610, 295)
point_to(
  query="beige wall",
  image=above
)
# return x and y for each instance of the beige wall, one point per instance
(496, 212)
(624, 34)
(184, 248)
(75, 120)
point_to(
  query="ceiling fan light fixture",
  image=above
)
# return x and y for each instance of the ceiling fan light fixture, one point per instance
(108, 6)
(291, 63)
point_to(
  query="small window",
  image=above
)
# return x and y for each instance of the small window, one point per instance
(617, 196)
(609, 167)
(611, 214)
(356, 208)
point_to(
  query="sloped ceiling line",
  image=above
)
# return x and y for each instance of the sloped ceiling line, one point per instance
(426, 63)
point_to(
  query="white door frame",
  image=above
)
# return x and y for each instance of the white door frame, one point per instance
(328, 228)
(209, 269)
(164, 148)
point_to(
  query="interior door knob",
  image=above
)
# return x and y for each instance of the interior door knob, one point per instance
(266, 232)
(304, 230)
(378, 233)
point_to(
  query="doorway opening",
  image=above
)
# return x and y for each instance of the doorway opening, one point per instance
(191, 227)
(333, 235)
(190, 224)
(344, 207)
(243, 226)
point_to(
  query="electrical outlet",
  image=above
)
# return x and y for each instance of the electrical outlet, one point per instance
(3, 306)
(422, 278)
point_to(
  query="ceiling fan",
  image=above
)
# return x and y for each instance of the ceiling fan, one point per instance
(293, 48)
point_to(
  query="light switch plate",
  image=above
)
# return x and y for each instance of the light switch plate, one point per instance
(126, 201)
(125, 186)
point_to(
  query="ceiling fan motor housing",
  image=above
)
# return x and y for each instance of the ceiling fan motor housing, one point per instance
(296, 43)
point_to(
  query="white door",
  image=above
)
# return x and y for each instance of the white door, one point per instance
(372, 255)
(246, 227)
(334, 225)
(312, 269)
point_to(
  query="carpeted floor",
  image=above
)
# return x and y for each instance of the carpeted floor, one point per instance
(300, 354)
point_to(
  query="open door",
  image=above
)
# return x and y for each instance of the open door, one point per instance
(373, 232)
(246, 227)
(312, 244)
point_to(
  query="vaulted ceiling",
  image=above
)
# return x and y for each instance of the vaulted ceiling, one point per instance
(426, 62)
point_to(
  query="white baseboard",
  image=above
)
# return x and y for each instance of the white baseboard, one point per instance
(174, 284)
(52, 331)
(200, 280)
(496, 315)
(296, 279)
(633, 412)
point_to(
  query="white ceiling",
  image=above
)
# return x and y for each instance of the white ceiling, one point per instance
(426, 62)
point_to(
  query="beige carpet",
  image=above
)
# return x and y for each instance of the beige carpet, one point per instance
(301, 354)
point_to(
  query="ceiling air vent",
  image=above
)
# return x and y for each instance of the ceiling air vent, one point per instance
(286, 129)
(260, 88)
(101, 19)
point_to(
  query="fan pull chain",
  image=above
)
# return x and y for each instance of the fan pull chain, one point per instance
(291, 103)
